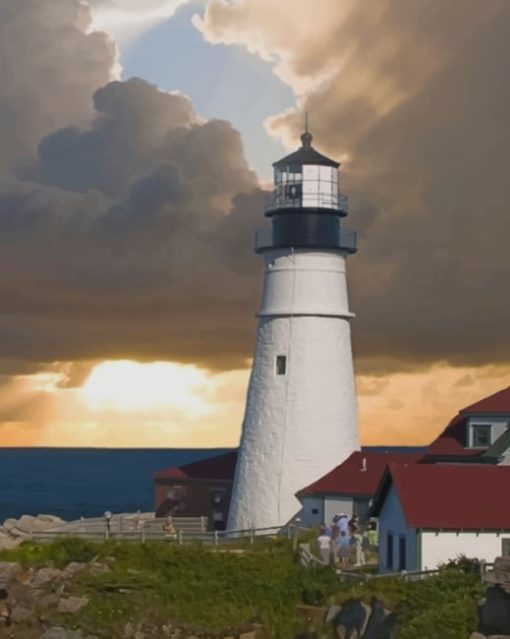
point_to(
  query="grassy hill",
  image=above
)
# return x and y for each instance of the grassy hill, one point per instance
(209, 593)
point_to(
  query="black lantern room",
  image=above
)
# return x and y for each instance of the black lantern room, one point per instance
(306, 206)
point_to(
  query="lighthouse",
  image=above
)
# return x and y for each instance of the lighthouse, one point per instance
(301, 412)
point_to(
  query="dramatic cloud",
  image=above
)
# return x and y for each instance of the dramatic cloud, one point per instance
(50, 66)
(128, 19)
(414, 98)
(126, 220)
(131, 237)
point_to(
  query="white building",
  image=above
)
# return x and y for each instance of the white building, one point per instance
(432, 513)
(301, 414)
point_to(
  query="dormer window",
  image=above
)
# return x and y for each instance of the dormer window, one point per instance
(481, 435)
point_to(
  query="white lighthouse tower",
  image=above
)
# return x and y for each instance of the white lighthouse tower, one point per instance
(301, 414)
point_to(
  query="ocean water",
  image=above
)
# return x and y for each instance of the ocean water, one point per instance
(84, 482)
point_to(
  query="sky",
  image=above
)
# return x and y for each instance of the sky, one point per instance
(136, 138)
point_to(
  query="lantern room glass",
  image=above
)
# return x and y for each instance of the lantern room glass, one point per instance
(308, 186)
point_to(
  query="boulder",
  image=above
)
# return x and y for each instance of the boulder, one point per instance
(26, 524)
(72, 569)
(357, 620)
(48, 601)
(332, 613)
(8, 572)
(21, 614)
(351, 619)
(8, 524)
(44, 576)
(72, 605)
(19, 533)
(50, 520)
(494, 615)
(500, 575)
(7, 542)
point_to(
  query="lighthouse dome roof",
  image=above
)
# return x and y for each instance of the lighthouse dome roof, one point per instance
(306, 155)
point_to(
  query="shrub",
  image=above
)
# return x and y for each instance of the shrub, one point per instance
(465, 564)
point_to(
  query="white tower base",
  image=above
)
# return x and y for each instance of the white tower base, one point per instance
(301, 424)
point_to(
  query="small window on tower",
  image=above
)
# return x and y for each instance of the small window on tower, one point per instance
(281, 364)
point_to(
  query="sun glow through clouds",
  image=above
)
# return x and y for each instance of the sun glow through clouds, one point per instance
(131, 386)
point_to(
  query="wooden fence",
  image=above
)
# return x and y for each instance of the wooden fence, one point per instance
(405, 575)
(187, 529)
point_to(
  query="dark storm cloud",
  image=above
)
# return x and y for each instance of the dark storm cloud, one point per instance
(49, 68)
(129, 235)
(417, 100)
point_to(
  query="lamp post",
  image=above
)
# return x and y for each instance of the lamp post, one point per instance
(107, 518)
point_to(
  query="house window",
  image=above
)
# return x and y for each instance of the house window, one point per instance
(402, 552)
(505, 550)
(481, 435)
(361, 507)
(281, 364)
(315, 511)
(389, 551)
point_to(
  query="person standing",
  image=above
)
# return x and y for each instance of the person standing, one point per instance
(324, 545)
(354, 525)
(358, 546)
(343, 546)
(343, 523)
(372, 536)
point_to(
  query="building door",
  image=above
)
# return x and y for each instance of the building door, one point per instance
(505, 550)
(402, 553)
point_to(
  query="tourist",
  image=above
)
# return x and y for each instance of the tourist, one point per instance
(324, 544)
(334, 534)
(354, 525)
(343, 549)
(372, 535)
(359, 553)
(169, 527)
(343, 523)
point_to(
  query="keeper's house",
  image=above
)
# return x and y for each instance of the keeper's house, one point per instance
(478, 434)
(431, 513)
(198, 489)
(350, 486)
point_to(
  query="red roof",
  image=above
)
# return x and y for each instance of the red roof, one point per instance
(452, 441)
(449, 496)
(497, 403)
(219, 467)
(349, 478)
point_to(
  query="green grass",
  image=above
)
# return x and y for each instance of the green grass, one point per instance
(225, 592)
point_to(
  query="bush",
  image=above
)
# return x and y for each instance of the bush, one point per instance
(469, 566)
(59, 553)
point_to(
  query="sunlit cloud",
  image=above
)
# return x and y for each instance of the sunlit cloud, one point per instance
(127, 20)
(166, 404)
(130, 386)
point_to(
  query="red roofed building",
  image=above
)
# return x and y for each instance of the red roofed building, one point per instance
(197, 489)
(350, 486)
(431, 513)
(480, 433)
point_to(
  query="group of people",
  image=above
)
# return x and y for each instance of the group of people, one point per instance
(345, 542)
